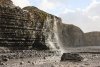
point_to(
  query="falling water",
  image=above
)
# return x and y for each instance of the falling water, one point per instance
(56, 34)
(51, 27)
(49, 41)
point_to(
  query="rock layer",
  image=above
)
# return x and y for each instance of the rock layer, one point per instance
(27, 27)
(15, 27)
(47, 26)
(33, 28)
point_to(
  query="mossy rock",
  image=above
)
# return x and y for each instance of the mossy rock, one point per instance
(35, 11)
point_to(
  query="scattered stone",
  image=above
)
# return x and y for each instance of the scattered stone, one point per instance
(44, 57)
(2, 63)
(29, 62)
(71, 57)
(33, 63)
(97, 66)
(82, 66)
(86, 64)
(21, 63)
(52, 66)
(5, 59)
(85, 59)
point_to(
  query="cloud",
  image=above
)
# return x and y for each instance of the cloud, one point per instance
(45, 5)
(93, 9)
(87, 19)
(21, 3)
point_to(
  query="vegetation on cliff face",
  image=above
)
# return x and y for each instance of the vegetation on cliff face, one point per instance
(6, 3)
(38, 14)
(44, 22)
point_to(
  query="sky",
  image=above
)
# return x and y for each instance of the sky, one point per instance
(82, 13)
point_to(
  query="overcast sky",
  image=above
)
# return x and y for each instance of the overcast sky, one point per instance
(82, 13)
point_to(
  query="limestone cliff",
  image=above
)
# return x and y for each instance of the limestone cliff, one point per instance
(92, 38)
(70, 36)
(47, 26)
(6, 3)
(27, 27)
(16, 28)
(33, 28)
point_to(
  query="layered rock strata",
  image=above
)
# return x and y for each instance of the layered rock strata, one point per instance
(33, 28)
(27, 27)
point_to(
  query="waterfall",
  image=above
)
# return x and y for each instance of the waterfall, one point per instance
(56, 31)
(51, 33)
(48, 33)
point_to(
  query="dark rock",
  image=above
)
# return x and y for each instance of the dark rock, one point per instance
(29, 61)
(2, 63)
(71, 57)
(5, 59)
(21, 63)
(33, 63)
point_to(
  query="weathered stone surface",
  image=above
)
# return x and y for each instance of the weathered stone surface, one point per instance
(6, 3)
(70, 36)
(92, 38)
(71, 57)
(33, 28)
(15, 27)
(47, 26)
(27, 27)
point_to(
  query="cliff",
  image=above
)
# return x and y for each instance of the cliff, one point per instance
(47, 26)
(70, 36)
(27, 28)
(32, 28)
(6, 3)
(15, 27)
(92, 38)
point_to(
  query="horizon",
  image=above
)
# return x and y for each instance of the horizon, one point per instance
(82, 13)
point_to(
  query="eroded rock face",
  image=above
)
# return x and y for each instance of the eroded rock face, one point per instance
(16, 28)
(47, 26)
(31, 27)
(92, 38)
(70, 35)
(27, 27)
(6, 3)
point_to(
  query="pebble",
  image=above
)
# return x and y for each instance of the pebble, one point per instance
(5, 59)
(1, 63)
(29, 62)
(21, 63)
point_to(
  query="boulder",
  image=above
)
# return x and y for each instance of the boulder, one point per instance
(71, 57)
